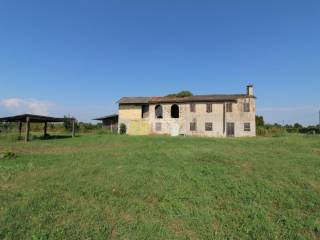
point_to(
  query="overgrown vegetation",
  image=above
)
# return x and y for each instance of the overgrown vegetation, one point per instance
(156, 187)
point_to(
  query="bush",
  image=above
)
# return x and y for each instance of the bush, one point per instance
(123, 128)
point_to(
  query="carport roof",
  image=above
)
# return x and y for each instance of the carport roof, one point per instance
(33, 118)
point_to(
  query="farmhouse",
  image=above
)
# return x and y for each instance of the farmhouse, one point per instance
(200, 115)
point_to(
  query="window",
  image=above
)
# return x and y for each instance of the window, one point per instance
(246, 107)
(209, 107)
(192, 107)
(193, 126)
(175, 111)
(158, 127)
(247, 127)
(158, 111)
(229, 107)
(208, 126)
(145, 111)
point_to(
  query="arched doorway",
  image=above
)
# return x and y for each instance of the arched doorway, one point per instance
(158, 111)
(174, 111)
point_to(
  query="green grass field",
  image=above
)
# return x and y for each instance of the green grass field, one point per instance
(122, 187)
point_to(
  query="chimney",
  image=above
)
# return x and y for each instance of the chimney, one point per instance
(250, 90)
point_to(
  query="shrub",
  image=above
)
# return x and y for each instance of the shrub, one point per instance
(123, 128)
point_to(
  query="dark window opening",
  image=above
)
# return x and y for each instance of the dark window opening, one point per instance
(229, 107)
(175, 111)
(247, 127)
(192, 107)
(246, 107)
(145, 111)
(208, 126)
(209, 107)
(158, 111)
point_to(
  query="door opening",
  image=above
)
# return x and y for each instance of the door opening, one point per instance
(230, 129)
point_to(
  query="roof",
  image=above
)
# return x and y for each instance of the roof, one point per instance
(107, 117)
(33, 118)
(134, 100)
(196, 98)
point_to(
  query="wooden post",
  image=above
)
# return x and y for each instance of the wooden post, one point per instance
(45, 129)
(27, 129)
(20, 129)
(73, 127)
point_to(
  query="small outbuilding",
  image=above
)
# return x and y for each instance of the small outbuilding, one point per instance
(109, 122)
(31, 118)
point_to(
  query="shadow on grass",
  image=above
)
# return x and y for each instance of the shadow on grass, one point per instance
(51, 137)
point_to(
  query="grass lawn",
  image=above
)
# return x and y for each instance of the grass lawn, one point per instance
(122, 187)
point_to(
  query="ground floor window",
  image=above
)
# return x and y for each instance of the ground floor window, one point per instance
(247, 127)
(158, 127)
(193, 126)
(208, 126)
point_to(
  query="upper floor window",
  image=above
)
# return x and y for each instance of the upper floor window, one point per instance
(229, 107)
(247, 127)
(209, 107)
(246, 107)
(175, 111)
(192, 107)
(145, 111)
(158, 111)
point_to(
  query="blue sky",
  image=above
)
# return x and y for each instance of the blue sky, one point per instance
(79, 57)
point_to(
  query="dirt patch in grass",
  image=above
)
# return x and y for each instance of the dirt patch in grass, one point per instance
(316, 150)
(126, 217)
(246, 167)
(177, 227)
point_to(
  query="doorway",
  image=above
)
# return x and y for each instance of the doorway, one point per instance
(230, 129)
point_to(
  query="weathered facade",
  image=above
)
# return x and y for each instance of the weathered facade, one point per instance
(203, 115)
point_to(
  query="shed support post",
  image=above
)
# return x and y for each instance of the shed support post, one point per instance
(27, 129)
(73, 127)
(20, 129)
(45, 129)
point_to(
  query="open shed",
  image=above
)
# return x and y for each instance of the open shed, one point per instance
(109, 122)
(31, 118)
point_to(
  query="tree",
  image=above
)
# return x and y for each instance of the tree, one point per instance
(184, 93)
(259, 121)
(298, 126)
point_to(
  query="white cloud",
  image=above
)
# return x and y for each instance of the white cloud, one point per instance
(20, 106)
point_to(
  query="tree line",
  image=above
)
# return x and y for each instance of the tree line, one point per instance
(265, 129)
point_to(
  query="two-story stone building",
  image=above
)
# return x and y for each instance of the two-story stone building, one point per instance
(200, 115)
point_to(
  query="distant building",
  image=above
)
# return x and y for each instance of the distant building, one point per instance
(109, 122)
(201, 115)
